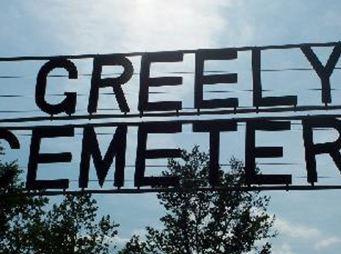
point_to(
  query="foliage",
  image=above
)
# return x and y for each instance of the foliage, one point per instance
(198, 221)
(30, 225)
(70, 228)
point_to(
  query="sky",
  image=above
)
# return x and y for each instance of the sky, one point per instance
(307, 222)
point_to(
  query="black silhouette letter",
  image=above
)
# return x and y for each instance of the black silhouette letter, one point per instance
(97, 81)
(10, 138)
(214, 127)
(251, 152)
(146, 81)
(36, 157)
(143, 154)
(90, 148)
(258, 100)
(311, 149)
(201, 79)
(324, 72)
(69, 103)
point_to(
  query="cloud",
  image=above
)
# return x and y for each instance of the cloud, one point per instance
(302, 233)
(327, 242)
(109, 26)
(296, 230)
(283, 249)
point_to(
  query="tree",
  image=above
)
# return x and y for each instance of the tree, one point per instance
(29, 225)
(198, 221)
(70, 228)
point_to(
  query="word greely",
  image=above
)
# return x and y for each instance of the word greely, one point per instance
(68, 105)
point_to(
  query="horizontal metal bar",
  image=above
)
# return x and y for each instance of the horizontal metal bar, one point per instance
(231, 112)
(158, 190)
(140, 53)
(182, 121)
